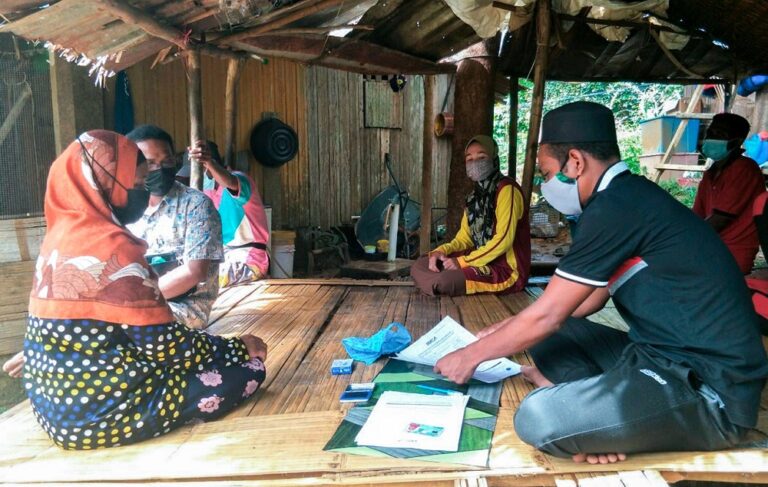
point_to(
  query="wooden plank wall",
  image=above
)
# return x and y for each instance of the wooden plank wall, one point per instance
(383, 107)
(347, 160)
(340, 164)
(160, 98)
(20, 242)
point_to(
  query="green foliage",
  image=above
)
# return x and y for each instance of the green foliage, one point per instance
(684, 194)
(631, 103)
(630, 148)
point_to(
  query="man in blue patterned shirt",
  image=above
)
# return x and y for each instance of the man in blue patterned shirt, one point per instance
(183, 231)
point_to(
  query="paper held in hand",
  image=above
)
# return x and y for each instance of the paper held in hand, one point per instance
(448, 336)
(404, 420)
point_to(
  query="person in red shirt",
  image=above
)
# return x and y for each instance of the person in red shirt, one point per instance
(729, 187)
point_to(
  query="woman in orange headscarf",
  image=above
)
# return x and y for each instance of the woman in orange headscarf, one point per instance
(105, 363)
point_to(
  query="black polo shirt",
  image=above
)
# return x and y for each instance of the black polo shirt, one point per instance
(675, 284)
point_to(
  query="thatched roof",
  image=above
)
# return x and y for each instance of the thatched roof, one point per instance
(407, 36)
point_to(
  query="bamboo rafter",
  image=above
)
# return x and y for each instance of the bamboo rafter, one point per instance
(148, 24)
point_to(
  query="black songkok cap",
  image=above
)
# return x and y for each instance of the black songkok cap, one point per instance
(581, 121)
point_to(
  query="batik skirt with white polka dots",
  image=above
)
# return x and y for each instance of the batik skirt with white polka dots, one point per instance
(95, 384)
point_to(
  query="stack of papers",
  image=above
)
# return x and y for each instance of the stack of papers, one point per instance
(448, 336)
(404, 420)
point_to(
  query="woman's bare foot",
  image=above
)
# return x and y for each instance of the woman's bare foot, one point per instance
(15, 365)
(602, 458)
(535, 377)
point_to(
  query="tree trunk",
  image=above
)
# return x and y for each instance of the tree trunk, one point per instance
(473, 100)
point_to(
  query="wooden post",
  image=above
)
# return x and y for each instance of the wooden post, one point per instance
(77, 104)
(473, 100)
(230, 110)
(543, 18)
(194, 100)
(425, 232)
(512, 128)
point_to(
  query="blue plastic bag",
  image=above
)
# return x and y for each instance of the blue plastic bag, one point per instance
(756, 148)
(389, 340)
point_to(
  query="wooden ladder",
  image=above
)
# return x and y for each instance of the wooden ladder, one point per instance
(683, 117)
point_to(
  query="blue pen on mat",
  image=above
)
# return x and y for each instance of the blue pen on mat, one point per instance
(445, 392)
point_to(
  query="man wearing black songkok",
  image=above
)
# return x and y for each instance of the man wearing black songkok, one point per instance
(688, 374)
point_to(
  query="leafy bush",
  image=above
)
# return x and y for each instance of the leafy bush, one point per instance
(631, 103)
(684, 194)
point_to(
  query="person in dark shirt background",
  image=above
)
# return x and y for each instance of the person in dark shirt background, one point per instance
(729, 188)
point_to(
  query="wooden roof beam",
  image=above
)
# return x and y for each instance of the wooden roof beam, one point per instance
(147, 23)
(11, 6)
(341, 53)
(316, 30)
(614, 23)
(312, 7)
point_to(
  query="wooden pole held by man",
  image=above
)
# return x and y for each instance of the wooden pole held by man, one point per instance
(194, 100)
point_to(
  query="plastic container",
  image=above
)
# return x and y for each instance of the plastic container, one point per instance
(281, 266)
(757, 149)
(657, 133)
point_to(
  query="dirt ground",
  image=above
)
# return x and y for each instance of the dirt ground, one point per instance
(11, 391)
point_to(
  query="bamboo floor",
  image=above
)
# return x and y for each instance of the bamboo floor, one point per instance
(276, 437)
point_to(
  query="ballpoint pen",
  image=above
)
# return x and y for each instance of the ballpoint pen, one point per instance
(438, 389)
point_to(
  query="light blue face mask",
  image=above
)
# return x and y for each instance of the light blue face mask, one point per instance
(715, 149)
(562, 193)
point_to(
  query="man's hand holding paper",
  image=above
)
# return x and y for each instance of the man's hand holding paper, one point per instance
(458, 366)
(448, 340)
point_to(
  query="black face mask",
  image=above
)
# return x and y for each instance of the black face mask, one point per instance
(159, 181)
(138, 200)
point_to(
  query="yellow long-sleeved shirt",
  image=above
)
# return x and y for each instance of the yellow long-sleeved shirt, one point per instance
(509, 212)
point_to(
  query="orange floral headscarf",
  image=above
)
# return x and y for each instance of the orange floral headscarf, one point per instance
(90, 266)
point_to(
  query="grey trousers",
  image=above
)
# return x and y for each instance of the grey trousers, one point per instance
(612, 396)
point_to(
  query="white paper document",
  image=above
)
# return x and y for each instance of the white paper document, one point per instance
(405, 420)
(448, 336)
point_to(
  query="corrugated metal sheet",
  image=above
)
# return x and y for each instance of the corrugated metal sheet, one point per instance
(429, 30)
(340, 164)
(89, 29)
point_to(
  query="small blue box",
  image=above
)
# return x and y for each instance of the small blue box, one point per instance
(341, 366)
(657, 133)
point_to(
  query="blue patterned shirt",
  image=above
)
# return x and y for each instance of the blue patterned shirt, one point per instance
(187, 225)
